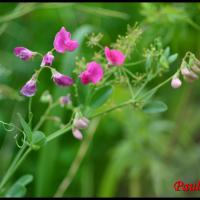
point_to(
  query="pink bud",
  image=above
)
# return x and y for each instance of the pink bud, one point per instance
(24, 53)
(176, 83)
(77, 134)
(188, 73)
(29, 88)
(47, 59)
(81, 123)
(61, 79)
(64, 100)
(195, 69)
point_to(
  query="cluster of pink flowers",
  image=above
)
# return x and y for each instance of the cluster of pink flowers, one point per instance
(63, 43)
(189, 75)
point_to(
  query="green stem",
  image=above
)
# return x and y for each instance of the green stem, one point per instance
(44, 116)
(128, 83)
(30, 114)
(12, 166)
(113, 108)
(58, 133)
(134, 63)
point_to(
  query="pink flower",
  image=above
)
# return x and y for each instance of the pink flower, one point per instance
(60, 79)
(114, 57)
(77, 134)
(63, 42)
(29, 88)
(47, 60)
(24, 53)
(81, 123)
(64, 100)
(176, 82)
(93, 73)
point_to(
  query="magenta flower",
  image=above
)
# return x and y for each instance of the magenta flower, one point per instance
(29, 88)
(93, 73)
(114, 57)
(63, 42)
(61, 79)
(47, 60)
(24, 53)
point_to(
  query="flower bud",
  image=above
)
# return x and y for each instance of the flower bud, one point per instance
(24, 53)
(188, 74)
(81, 123)
(61, 80)
(46, 97)
(195, 69)
(47, 60)
(64, 100)
(29, 88)
(77, 134)
(176, 83)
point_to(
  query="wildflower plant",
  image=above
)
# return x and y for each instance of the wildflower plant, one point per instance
(92, 84)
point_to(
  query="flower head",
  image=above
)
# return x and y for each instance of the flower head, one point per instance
(77, 133)
(29, 88)
(114, 57)
(176, 82)
(24, 53)
(93, 73)
(81, 123)
(64, 100)
(63, 42)
(47, 60)
(61, 79)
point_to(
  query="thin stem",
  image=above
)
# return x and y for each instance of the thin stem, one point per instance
(135, 63)
(130, 73)
(128, 83)
(44, 116)
(77, 161)
(30, 114)
(9, 171)
(113, 108)
(58, 133)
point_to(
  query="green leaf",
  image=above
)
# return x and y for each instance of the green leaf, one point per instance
(172, 58)
(38, 140)
(167, 52)
(26, 128)
(100, 96)
(155, 107)
(148, 62)
(18, 189)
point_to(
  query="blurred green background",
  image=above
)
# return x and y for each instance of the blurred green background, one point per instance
(132, 153)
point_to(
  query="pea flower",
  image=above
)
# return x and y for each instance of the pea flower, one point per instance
(93, 73)
(24, 53)
(77, 133)
(61, 79)
(47, 60)
(81, 123)
(63, 42)
(114, 57)
(29, 89)
(64, 100)
(176, 82)
(189, 75)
